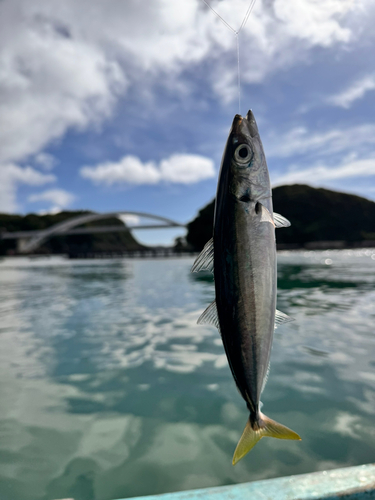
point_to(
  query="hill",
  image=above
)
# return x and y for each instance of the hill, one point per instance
(319, 217)
(71, 244)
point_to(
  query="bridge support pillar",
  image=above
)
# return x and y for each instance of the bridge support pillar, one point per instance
(21, 244)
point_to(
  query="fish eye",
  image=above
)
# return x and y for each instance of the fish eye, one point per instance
(243, 153)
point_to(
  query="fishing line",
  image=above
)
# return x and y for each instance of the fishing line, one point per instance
(247, 15)
(219, 16)
(236, 34)
(238, 74)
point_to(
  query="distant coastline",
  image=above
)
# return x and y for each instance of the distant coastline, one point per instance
(327, 245)
(67, 244)
(321, 219)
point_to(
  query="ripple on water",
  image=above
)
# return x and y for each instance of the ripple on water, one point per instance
(108, 384)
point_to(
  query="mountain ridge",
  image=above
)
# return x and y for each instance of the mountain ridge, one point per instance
(317, 215)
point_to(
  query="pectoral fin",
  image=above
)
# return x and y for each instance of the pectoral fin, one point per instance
(280, 221)
(265, 215)
(276, 219)
(205, 260)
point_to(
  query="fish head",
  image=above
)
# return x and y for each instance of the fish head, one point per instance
(245, 162)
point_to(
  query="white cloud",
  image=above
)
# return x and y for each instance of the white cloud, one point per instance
(179, 168)
(186, 169)
(45, 160)
(353, 93)
(50, 211)
(130, 219)
(325, 156)
(49, 83)
(301, 141)
(317, 174)
(280, 34)
(129, 170)
(60, 197)
(317, 22)
(65, 68)
(11, 176)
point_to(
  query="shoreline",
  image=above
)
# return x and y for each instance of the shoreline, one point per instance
(168, 253)
(327, 245)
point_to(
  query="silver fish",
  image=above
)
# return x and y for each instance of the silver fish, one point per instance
(242, 256)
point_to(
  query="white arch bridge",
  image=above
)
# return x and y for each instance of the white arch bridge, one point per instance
(29, 241)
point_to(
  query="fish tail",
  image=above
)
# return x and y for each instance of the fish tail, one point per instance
(254, 431)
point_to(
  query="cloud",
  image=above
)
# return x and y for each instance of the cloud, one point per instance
(129, 170)
(179, 168)
(130, 219)
(50, 83)
(186, 169)
(50, 211)
(323, 157)
(317, 22)
(328, 155)
(45, 160)
(316, 175)
(356, 91)
(281, 34)
(302, 141)
(59, 197)
(66, 68)
(11, 176)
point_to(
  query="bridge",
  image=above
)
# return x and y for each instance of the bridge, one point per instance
(29, 241)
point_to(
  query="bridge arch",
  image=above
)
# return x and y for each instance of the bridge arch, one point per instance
(61, 228)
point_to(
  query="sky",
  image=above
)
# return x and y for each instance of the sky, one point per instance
(125, 105)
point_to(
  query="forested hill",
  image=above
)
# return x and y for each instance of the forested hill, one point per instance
(73, 244)
(316, 215)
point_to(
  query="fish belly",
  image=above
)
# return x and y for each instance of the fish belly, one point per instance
(247, 286)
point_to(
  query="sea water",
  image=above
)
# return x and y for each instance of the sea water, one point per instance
(109, 388)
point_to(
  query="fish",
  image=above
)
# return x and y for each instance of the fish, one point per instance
(242, 256)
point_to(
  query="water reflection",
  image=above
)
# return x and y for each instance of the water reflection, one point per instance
(109, 388)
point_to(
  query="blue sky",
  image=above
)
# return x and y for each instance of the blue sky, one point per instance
(127, 105)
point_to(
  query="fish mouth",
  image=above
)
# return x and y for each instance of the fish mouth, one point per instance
(237, 120)
(250, 116)
(245, 126)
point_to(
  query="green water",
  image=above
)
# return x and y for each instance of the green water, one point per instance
(109, 389)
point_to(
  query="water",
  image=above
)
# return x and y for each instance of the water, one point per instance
(109, 389)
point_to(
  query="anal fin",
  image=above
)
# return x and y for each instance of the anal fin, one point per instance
(209, 316)
(265, 378)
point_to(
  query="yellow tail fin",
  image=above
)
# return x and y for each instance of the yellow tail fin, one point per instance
(265, 427)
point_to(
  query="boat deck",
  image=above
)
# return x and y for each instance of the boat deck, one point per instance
(351, 483)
